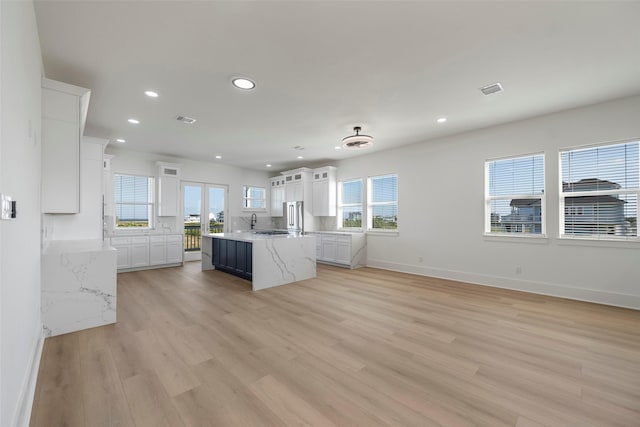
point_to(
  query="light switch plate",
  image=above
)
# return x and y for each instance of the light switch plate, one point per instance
(5, 212)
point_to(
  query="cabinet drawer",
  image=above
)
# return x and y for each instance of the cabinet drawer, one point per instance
(120, 241)
(139, 240)
(343, 239)
(174, 238)
(157, 239)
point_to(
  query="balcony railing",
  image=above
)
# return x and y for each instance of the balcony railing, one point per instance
(192, 235)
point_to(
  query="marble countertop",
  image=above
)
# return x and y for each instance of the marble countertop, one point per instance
(135, 233)
(52, 247)
(248, 236)
(346, 233)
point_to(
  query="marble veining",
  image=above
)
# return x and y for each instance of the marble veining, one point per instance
(78, 286)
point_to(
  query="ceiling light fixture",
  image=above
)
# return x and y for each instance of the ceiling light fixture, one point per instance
(268, 165)
(338, 147)
(134, 121)
(243, 83)
(357, 141)
(300, 157)
(151, 94)
(441, 120)
(218, 157)
(121, 141)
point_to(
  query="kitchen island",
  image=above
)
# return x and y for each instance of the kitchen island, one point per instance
(266, 260)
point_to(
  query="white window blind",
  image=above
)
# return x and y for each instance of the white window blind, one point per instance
(254, 197)
(382, 198)
(133, 199)
(350, 204)
(599, 191)
(514, 195)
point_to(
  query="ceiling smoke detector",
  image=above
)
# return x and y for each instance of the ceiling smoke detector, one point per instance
(492, 88)
(357, 141)
(185, 119)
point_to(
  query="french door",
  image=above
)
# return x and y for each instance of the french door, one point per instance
(204, 210)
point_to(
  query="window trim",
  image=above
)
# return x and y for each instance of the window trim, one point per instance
(361, 204)
(371, 205)
(542, 197)
(246, 199)
(151, 204)
(593, 239)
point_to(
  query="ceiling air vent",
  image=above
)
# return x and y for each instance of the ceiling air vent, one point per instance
(492, 88)
(185, 119)
(357, 141)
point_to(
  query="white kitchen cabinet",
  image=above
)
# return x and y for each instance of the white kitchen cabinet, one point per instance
(139, 251)
(168, 188)
(64, 109)
(341, 249)
(294, 184)
(174, 249)
(324, 191)
(135, 252)
(277, 195)
(107, 179)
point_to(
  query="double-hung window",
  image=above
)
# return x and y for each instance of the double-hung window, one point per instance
(254, 197)
(514, 195)
(350, 204)
(133, 200)
(599, 191)
(382, 203)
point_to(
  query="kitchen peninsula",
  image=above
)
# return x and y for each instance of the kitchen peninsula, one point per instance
(266, 260)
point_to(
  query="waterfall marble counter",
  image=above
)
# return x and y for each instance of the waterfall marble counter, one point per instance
(275, 260)
(78, 285)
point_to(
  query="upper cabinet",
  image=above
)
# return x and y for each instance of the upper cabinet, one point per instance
(276, 185)
(324, 191)
(168, 188)
(64, 111)
(295, 182)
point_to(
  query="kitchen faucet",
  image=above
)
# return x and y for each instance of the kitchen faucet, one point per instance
(254, 220)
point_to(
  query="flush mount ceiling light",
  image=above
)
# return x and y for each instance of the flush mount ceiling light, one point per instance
(268, 165)
(300, 157)
(357, 141)
(218, 157)
(441, 120)
(151, 94)
(243, 83)
(134, 121)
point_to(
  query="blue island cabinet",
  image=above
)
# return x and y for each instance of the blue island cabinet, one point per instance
(233, 257)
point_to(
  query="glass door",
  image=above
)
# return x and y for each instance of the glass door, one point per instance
(204, 211)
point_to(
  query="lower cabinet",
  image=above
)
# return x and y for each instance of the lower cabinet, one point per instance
(147, 251)
(233, 256)
(348, 250)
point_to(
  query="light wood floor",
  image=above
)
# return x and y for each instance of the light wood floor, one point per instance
(349, 348)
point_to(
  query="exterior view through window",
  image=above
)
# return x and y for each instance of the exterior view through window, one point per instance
(350, 204)
(383, 202)
(254, 197)
(133, 199)
(514, 201)
(600, 188)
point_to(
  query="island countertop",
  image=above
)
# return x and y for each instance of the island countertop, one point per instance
(275, 259)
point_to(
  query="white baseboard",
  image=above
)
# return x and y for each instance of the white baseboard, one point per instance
(551, 289)
(22, 416)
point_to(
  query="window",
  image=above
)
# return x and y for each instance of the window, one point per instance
(514, 195)
(599, 191)
(350, 204)
(133, 199)
(382, 198)
(254, 197)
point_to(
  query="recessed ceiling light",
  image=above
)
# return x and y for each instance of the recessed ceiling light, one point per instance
(218, 157)
(120, 140)
(268, 165)
(243, 83)
(151, 94)
(300, 157)
(337, 147)
(134, 121)
(441, 120)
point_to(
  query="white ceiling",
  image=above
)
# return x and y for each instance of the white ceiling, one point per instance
(323, 67)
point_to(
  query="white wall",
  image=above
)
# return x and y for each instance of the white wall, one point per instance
(20, 324)
(441, 209)
(137, 163)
